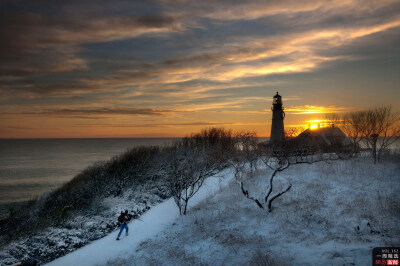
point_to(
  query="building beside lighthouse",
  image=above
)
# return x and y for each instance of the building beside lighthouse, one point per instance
(325, 139)
(277, 129)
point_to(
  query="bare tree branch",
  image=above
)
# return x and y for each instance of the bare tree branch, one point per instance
(271, 179)
(246, 193)
(276, 196)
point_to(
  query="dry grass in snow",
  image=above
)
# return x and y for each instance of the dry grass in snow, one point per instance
(322, 220)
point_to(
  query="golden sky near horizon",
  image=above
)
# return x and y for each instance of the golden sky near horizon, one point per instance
(169, 68)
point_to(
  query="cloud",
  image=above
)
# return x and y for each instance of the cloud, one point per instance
(34, 43)
(283, 54)
(231, 10)
(292, 53)
(97, 111)
(19, 128)
(257, 9)
(157, 124)
(32, 30)
(188, 124)
(182, 59)
(310, 109)
(38, 44)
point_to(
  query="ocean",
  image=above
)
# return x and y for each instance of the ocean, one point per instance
(31, 167)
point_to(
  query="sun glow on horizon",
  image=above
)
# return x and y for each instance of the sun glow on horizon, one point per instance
(311, 109)
(317, 123)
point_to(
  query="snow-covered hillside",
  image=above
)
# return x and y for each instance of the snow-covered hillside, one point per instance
(333, 215)
(83, 227)
(148, 226)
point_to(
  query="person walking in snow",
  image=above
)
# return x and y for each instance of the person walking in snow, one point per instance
(123, 219)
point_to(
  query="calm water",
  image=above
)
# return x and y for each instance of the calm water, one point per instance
(31, 167)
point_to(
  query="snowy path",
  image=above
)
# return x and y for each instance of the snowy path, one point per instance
(154, 221)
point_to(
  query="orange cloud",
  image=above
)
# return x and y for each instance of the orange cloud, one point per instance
(310, 109)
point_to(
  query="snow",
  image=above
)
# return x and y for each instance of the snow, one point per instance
(333, 215)
(83, 227)
(150, 224)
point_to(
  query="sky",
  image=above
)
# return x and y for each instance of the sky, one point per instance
(167, 68)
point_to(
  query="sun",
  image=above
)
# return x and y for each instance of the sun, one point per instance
(314, 124)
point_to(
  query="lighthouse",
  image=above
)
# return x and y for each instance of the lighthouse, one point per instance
(277, 131)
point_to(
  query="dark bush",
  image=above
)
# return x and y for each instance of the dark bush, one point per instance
(219, 142)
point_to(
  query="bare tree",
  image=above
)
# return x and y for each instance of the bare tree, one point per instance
(292, 132)
(192, 160)
(377, 128)
(246, 145)
(279, 163)
(352, 124)
(245, 154)
(381, 129)
(188, 168)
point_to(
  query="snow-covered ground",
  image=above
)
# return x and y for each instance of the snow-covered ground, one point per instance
(83, 227)
(150, 224)
(333, 215)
